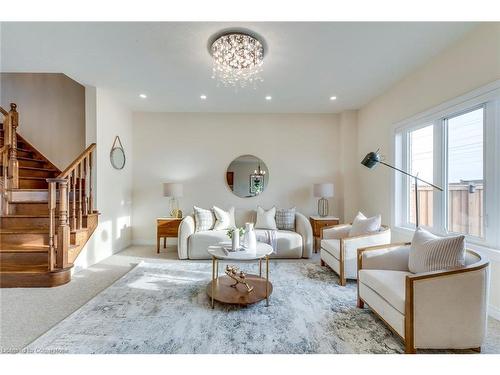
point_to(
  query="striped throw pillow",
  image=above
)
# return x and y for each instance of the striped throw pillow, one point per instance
(203, 219)
(432, 253)
(285, 219)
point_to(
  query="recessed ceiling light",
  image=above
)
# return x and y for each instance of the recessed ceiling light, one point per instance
(203, 97)
(333, 98)
(143, 96)
(269, 97)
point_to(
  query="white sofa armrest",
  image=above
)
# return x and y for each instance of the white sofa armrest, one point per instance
(385, 257)
(437, 303)
(303, 227)
(335, 232)
(186, 229)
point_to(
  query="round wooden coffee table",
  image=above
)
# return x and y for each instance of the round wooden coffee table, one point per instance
(224, 289)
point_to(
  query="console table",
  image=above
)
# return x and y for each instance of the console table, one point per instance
(166, 227)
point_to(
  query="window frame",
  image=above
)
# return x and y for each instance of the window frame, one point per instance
(488, 97)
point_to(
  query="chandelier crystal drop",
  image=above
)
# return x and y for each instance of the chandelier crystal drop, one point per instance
(237, 60)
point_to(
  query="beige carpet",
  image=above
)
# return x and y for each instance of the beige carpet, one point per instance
(25, 314)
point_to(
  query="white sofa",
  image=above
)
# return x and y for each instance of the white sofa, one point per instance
(290, 244)
(433, 310)
(340, 252)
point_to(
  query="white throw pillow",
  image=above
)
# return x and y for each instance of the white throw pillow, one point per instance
(363, 225)
(266, 219)
(203, 219)
(429, 252)
(224, 219)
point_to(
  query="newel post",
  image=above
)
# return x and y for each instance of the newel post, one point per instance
(13, 162)
(63, 229)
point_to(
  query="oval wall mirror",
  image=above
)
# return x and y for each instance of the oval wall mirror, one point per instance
(247, 176)
(117, 154)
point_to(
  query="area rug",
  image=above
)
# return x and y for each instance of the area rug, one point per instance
(163, 308)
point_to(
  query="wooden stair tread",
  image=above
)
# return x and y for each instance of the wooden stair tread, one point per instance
(39, 169)
(16, 248)
(24, 231)
(14, 268)
(33, 178)
(37, 269)
(30, 159)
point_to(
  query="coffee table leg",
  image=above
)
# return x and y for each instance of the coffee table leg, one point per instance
(260, 267)
(213, 280)
(267, 280)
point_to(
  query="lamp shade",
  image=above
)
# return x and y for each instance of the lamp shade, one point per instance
(324, 190)
(171, 189)
(371, 159)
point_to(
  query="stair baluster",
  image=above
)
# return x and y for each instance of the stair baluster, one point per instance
(72, 197)
(85, 189)
(13, 162)
(91, 189)
(80, 217)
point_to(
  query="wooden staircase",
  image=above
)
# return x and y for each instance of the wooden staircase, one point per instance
(46, 215)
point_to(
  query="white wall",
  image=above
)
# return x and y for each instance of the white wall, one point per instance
(51, 113)
(350, 162)
(470, 63)
(108, 118)
(195, 149)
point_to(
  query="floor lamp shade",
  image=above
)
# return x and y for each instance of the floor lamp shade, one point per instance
(173, 191)
(323, 191)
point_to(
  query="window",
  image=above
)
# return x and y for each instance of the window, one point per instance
(457, 147)
(465, 173)
(420, 164)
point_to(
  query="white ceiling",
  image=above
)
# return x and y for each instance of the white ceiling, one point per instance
(305, 63)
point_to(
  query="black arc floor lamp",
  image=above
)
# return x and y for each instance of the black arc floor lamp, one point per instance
(373, 158)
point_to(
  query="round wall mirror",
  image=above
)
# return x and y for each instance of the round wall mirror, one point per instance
(247, 176)
(117, 154)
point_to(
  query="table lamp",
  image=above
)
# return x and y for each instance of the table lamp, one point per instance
(323, 191)
(173, 191)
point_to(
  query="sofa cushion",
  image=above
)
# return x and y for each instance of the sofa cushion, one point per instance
(199, 242)
(332, 247)
(288, 243)
(285, 219)
(203, 219)
(224, 219)
(390, 285)
(429, 252)
(363, 225)
(266, 219)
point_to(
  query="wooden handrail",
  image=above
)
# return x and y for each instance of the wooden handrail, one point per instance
(78, 160)
(3, 111)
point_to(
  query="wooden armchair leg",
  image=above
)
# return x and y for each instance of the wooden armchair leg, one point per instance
(409, 348)
(360, 303)
(322, 263)
(342, 281)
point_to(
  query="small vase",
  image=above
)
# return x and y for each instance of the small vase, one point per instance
(235, 241)
(250, 238)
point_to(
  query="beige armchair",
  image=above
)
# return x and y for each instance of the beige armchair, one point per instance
(433, 310)
(339, 251)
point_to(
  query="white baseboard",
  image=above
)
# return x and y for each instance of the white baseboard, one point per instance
(143, 242)
(494, 312)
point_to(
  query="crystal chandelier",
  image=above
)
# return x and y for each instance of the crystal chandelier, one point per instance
(237, 60)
